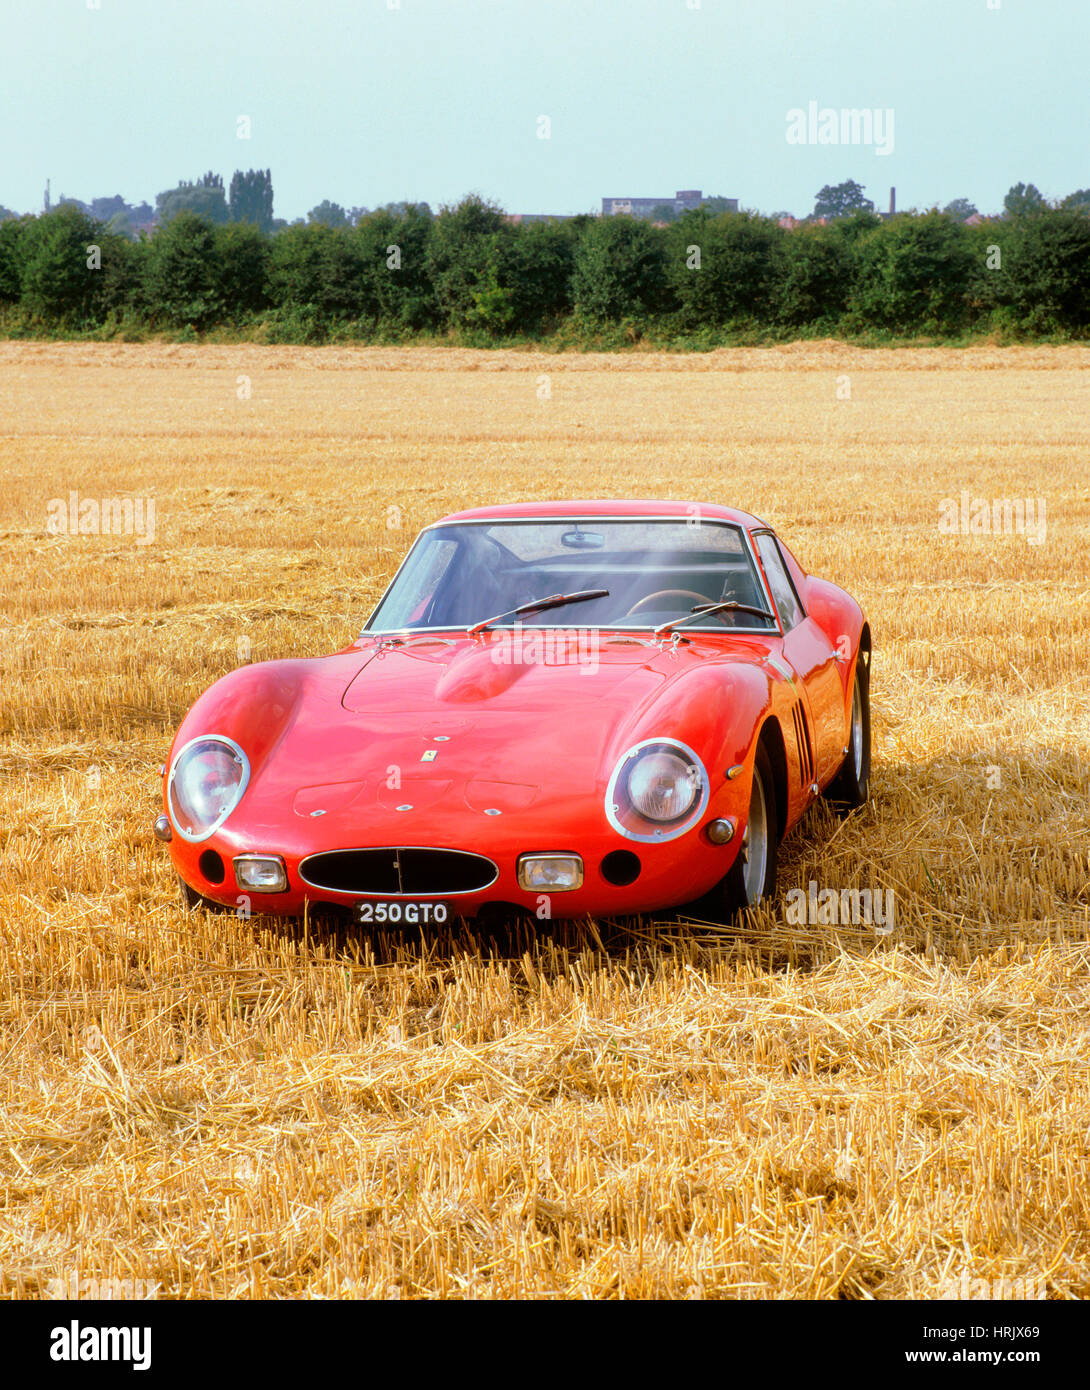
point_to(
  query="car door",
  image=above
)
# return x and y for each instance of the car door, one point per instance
(814, 660)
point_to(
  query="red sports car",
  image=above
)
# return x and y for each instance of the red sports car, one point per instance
(557, 708)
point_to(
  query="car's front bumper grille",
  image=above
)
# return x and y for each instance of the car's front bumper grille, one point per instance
(406, 872)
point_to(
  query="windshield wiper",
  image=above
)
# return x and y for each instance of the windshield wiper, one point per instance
(539, 605)
(728, 607)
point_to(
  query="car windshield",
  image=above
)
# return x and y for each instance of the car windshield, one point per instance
(458, 575)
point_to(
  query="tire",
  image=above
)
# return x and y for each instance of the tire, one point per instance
(752, 876)
(192, 901)
(850, 788)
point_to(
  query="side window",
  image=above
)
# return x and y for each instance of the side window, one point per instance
(779, 581)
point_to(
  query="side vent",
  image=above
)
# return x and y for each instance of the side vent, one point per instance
(802, 743)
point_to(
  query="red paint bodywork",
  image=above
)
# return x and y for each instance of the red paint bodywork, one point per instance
(536, 742)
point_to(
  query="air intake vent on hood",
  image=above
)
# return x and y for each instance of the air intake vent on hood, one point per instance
(407, 872)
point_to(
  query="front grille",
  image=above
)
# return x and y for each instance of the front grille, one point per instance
(407, 872)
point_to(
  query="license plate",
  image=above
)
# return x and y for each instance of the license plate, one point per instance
(399, 913)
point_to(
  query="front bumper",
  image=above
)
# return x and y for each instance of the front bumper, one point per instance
(620, 878)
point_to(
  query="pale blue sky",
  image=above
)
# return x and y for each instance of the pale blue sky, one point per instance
(363, 103)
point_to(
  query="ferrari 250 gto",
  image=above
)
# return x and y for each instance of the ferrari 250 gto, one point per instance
(556, 709)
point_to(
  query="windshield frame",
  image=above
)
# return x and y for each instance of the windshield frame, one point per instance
(588, 521)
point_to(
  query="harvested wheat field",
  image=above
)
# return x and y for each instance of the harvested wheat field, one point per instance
(230, 1108)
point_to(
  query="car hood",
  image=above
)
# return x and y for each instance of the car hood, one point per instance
(535, 671)
(427, 726)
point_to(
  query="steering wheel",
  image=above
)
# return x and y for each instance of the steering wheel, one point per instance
(652, 599)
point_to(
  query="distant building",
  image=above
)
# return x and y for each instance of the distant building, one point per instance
(518, 217)
(892, 205)
(683, 201)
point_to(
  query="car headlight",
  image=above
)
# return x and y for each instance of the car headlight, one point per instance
(206, 783)
(663, 786)
(261, 873)
(658, 790)
(556, 873)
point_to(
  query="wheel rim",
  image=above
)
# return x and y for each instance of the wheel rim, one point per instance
(857, 732)
(755, 842)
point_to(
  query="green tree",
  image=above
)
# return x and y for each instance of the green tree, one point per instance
(123, 262)
(329, 214)
(242, 255)
(1045, 276)
(57, 281)
(317, 272)
(468, 261)
(855, 228)
(912, 274)
(1024, 199)
(736, 276)
(619, 270)
(102, 209)
(393, 248)
(960, 208)
(205, 198)
(841, 200)
(13, 239)
(1079, 201)
(539, 268)
(182, 276)
(252, 198)
(814, 276)
(989, 248)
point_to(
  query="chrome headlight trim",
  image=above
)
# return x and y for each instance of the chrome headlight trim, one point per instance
(244, 781)
(649, 834)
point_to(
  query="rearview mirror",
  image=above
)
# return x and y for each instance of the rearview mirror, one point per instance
(582, 540)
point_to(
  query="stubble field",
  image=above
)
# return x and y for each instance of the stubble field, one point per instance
(206, 1106)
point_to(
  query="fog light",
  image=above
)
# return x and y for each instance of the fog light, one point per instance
(552, 873)
(261, 873)
(162, 829)
(720, 832)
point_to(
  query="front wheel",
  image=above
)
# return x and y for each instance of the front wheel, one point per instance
(192, 901)
(752, 876)
(851, 785)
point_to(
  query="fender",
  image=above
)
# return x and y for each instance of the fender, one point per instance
(257, 704)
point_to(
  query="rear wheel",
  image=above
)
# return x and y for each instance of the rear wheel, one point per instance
(850, 787)
(752, 876)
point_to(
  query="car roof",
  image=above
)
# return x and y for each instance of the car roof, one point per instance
(605, 507)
